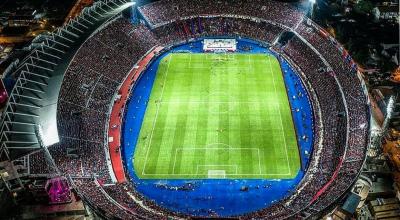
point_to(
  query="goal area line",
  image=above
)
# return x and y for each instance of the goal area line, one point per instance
(217, 165)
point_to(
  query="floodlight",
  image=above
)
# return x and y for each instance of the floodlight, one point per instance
(49, 135)
(390, 108)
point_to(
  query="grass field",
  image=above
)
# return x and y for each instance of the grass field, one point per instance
(217, 116)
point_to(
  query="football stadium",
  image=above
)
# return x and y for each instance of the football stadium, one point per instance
(191, 109)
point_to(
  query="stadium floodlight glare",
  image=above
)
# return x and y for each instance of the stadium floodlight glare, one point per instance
(49, 136)
(126, 5)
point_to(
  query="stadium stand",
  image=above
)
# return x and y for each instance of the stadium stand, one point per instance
(217, 26)
(160, 12)
(104, 60)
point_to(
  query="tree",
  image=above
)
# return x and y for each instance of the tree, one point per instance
(364, 7)
(361, 56)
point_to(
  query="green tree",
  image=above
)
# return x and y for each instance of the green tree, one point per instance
(364, 7)
(361, 56)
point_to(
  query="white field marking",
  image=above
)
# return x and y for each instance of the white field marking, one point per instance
(173, 168)
(204, 148)
(216, 174)
(224, 68)
(220, 94)
(223, 144)
(259, 160)
(155, 119)
(217, 102)
(216, 165)
(280, 116)
(240, 174)
(217, 148)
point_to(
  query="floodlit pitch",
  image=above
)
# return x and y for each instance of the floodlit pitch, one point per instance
(217, 116)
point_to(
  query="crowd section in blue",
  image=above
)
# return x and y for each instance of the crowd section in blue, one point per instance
(223, 197)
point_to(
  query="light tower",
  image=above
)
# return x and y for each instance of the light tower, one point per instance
(134, 16)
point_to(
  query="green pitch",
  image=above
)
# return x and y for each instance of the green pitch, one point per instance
(217, 116)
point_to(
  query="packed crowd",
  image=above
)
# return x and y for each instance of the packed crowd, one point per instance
(86, 94)
(117, 200)
(92, 192)
(105, 59)
(324, 86)
(164, 11)
(124, 194)
(38, 164)
(356, 100)
(356, 144)
(217, 26)
(357, 110)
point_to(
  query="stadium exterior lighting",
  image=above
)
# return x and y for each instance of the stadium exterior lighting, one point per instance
(390, 108)
(312, 3)
(389, 111)
(128, 4)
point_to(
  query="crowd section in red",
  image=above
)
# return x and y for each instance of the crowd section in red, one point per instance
(117, 113)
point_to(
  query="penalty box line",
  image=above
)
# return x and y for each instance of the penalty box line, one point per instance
(216, 165)
(206, 148)
(219, 148)
(216, 102)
